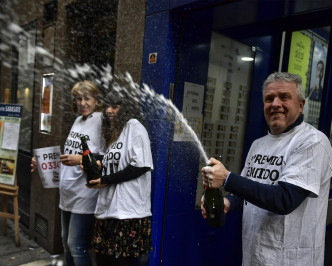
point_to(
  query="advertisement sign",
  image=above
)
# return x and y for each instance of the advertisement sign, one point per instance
(10, 121)
(299, 55)
(317, 72)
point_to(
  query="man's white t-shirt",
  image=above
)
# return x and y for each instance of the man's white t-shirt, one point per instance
(74, 195)
(131, 199)
(302, 157)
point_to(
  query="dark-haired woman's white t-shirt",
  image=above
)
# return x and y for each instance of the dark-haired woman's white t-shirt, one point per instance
(131, 199)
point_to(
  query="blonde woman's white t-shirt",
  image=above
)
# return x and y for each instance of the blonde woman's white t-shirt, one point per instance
(301, 157)
(74, 195)
(131, 199)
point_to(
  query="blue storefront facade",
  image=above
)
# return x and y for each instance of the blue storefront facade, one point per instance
(179, 33)
(190, 53)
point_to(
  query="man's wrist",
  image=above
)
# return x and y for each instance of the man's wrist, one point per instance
(227, 178)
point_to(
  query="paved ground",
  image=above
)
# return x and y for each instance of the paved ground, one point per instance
(29, 253)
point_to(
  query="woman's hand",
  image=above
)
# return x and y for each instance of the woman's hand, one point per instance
(70, 159)
(96, 183)
(82, 167)
(33, 164)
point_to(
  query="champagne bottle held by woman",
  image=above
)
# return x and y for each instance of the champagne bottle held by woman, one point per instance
(89, 163)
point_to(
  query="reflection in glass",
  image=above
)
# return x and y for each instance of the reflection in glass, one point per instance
(25, 83)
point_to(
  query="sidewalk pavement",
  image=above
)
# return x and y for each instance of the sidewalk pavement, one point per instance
(29, 253)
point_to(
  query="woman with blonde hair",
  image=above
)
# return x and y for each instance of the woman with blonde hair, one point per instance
(77, 202)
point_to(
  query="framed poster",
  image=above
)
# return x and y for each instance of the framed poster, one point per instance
(10, 120)
(46, 103)
(299, 55)
(317, 72)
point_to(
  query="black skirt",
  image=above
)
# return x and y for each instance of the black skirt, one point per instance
(123, 238)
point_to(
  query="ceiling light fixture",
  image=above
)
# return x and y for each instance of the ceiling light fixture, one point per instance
(247, 58)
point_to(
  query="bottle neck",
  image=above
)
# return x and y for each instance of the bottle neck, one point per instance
(85, 146)
(86, 152)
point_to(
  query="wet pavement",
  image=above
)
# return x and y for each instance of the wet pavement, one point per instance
(29, 253)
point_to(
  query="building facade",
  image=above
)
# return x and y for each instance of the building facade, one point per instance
(188, 54)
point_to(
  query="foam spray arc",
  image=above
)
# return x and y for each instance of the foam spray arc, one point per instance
(160, 102)
(144, 94)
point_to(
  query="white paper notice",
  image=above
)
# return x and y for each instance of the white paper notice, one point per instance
(48, 163)
(193, 96)
(11, 133)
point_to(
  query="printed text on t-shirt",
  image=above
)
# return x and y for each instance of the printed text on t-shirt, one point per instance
(73, 143)
(112, 158)
(253, 170)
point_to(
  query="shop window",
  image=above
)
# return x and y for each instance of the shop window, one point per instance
(229, 79)
(24, 83)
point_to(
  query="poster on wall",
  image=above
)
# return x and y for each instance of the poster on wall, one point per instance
(299, 55)
(317, 72)
(46, 103)
(10, 120)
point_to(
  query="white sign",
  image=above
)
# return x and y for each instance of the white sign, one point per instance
(11, 132)
(48, 165)
(192, 99)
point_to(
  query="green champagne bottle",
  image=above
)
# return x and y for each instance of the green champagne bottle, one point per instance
(214, 206)
(89, 163)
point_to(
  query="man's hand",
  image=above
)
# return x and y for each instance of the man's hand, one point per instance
(227, 206)
(202, 207)
(214, 176)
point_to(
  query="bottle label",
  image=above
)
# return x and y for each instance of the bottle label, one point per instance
(86, 152)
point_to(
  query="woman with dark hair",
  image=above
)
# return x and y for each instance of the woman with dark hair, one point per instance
(123, 212)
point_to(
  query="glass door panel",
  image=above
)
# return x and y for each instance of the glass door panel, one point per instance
(227, 90)
(226, 99)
